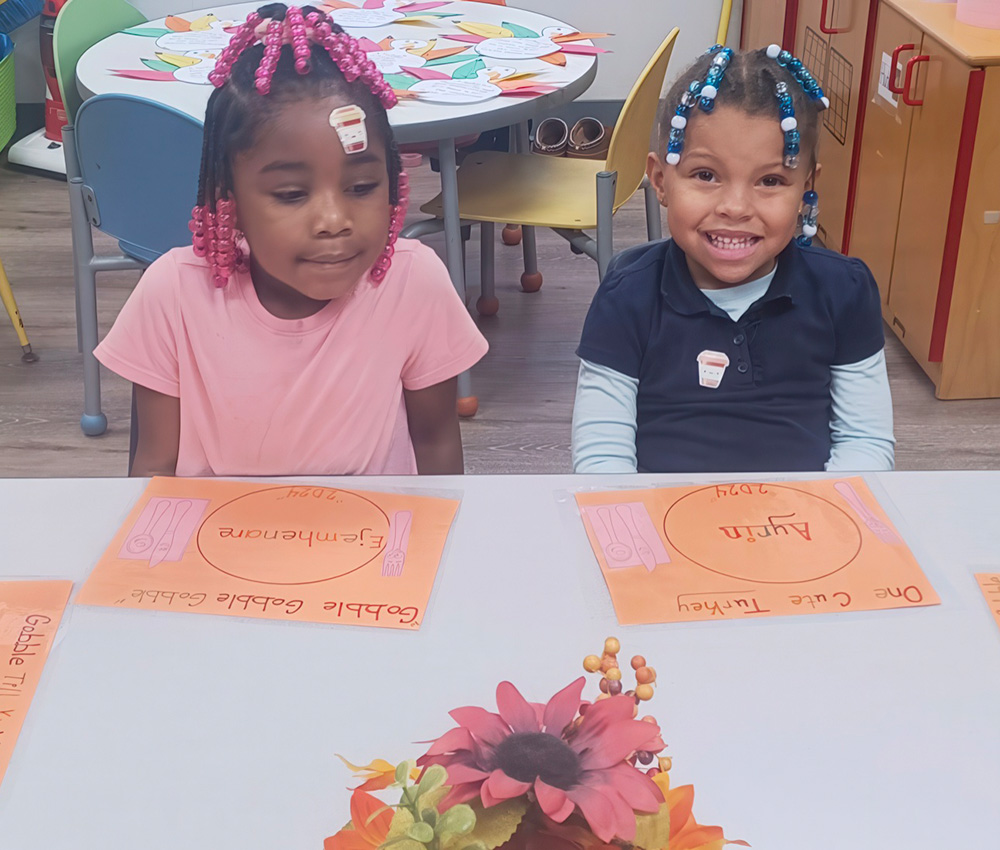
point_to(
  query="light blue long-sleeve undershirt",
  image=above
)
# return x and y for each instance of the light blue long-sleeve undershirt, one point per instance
(604, 414)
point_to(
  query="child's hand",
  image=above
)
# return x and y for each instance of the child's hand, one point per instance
(158, 433)
(434, 431)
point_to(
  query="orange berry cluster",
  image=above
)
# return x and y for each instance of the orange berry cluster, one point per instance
(611, 674)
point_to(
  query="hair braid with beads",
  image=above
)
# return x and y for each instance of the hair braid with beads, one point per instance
(751, 80)
(280, 55)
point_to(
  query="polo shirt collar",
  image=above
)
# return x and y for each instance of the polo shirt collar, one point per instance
(681, 294)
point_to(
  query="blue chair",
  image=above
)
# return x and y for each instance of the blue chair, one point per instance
(132, 168)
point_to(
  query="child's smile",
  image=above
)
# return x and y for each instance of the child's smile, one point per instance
(732, 205)
(316, 218)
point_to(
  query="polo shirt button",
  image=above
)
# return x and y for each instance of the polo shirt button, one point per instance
(742, 368)
(738, 339)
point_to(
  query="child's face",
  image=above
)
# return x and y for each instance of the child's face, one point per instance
(731, 204)
(315, 218)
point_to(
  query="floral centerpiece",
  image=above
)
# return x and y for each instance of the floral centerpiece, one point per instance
(569, 774)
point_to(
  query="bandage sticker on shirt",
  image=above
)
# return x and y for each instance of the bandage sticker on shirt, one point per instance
(275, 551)
(711, 367)
(349, 122)
(750, 550)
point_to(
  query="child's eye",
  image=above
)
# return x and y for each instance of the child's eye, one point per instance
(772, 181)
(704, 175)
(288, 196)
(363, 188)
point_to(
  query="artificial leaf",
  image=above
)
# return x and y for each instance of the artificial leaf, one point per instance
(652, 832)
(520, 32)
(485, 30)
(434, 777)
(422, 832)
(496, 824)
(147, 32)
(157, 65)
(402, 771)
(458, 820)
(470, 71)
(398, 829)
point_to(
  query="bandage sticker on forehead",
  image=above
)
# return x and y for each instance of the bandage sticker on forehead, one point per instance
(349, 122)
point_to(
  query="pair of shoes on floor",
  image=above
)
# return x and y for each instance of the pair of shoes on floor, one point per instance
(588, 138)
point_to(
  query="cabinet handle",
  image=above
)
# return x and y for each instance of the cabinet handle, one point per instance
(822, 21)
(909, 79)
(895, 60)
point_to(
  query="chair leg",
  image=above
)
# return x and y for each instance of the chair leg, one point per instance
(531, 280)
(487, 305)
(93, 422)
(511, 234)
(7, 296)
(654, 226)
(606, 182)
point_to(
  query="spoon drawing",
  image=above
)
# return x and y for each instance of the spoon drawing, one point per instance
(142, 541)
(166, 542)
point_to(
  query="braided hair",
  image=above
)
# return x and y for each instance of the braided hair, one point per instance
(282, 54)
(750, 83)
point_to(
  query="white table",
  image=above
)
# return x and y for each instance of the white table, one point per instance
(156, 731)
(412, 121)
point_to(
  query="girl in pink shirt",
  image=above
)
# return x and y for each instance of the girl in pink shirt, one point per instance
(296, 336)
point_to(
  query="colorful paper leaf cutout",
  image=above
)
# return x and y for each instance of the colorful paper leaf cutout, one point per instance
(418, 7)
(369, 46)
(485, 30)
(583, 49)
(443, 52)
(178, 61)
(520, 32)
(399, 81)
(554, 59)
(153, 76)
(203, 23)
(527, 91)
(147, 32)
(373, 4)
(470, 71)
(177, 24)
(426, 73)
(579, 36)
(157, 65)
(447, 60)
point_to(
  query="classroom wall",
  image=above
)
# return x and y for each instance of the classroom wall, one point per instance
(638, 25)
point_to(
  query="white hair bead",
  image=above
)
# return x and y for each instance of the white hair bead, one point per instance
(825, 101)
(773, 50)
(809, 230)
(709, 91)
(673, 158)
(679, 122)
(789, 123)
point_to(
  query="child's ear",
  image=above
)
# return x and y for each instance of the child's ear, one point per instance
(655, 171)
(814, 174)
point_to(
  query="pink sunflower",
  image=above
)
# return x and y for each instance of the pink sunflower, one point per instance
(567, 765)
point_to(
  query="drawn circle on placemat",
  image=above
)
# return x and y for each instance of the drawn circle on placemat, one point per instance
(293, 535)
(764, 533)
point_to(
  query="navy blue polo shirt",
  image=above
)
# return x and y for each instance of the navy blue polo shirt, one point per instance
(771, 409)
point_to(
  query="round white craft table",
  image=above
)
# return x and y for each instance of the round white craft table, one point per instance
(413, 120)
(416, 120)
(871, 730)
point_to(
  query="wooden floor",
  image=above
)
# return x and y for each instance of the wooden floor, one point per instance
(525, 384)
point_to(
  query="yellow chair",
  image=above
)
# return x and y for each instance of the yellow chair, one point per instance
(567, 195)
(7, 296)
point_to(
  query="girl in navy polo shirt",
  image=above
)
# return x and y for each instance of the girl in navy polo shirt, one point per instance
(735, 346)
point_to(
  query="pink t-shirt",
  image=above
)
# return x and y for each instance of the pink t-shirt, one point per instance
(261, 395)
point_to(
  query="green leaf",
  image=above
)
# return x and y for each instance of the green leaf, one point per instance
(402, 772)
(429, 816)
(496, 824)
(653, 831)
(159, 65)
(519, 31)
(434, 777)
(398, 829)
(468, 72)
(422, 832)
(147, 32)
(458, 820)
